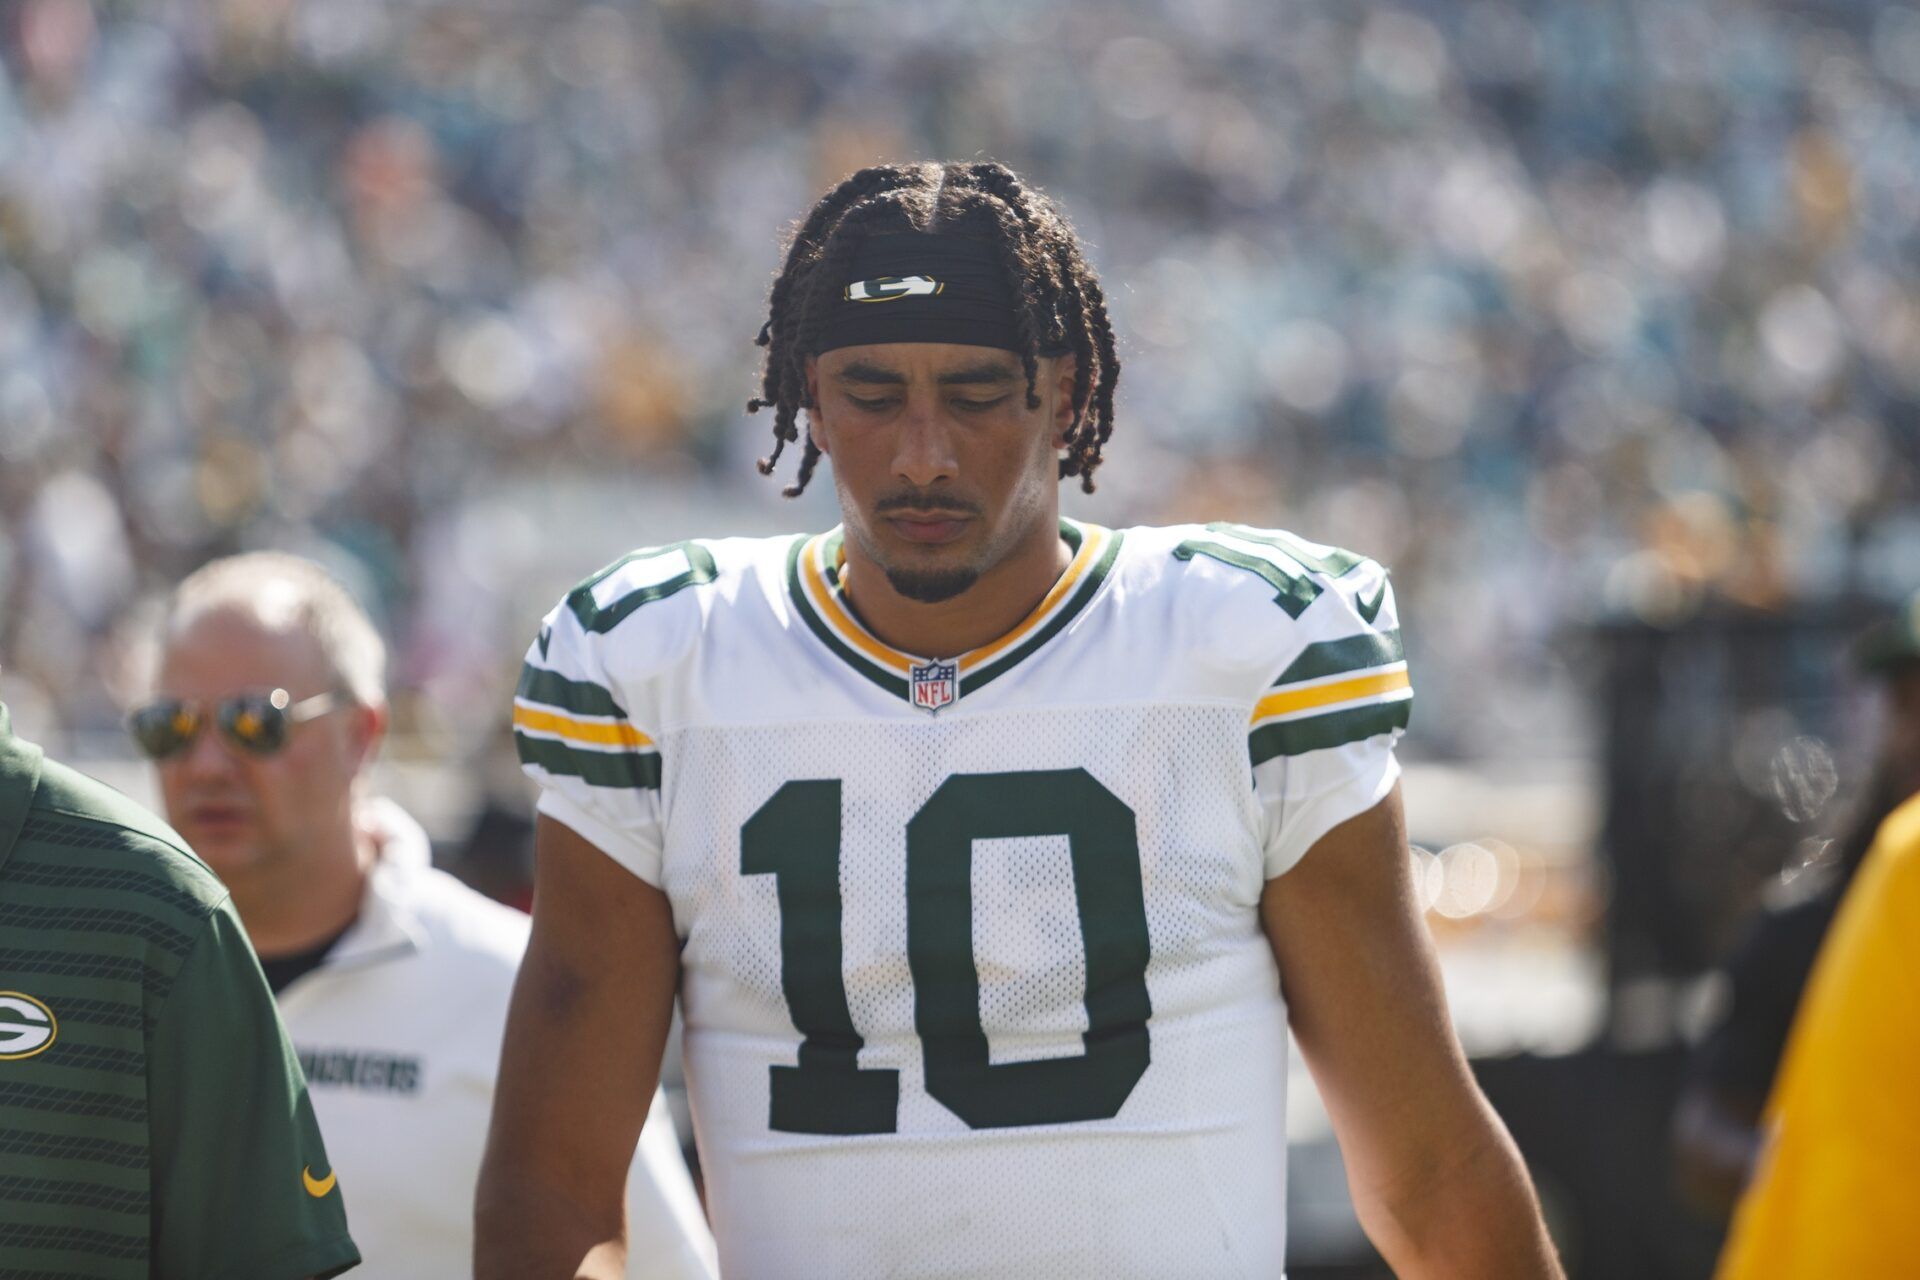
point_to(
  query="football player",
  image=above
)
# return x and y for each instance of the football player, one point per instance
(992, 854)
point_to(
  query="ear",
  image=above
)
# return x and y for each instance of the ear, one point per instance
(369, 730)
(812, 405)
(1066, 374)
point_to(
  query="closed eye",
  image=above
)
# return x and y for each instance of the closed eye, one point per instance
(979, 406)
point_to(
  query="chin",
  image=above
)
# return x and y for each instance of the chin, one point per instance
(931, 574)
(931, 586)
(225, 854)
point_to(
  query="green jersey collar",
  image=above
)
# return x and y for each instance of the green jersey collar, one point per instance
(814, 582)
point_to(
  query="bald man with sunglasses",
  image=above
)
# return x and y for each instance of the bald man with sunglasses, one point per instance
(392, 977)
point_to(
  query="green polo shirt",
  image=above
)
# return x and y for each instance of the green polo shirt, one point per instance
(154, 1123)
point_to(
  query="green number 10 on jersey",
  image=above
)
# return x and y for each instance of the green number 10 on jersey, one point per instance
(795, 837)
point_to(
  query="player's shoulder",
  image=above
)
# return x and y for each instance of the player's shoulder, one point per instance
(645, 611)
(1262, 596)
(1308, 633)
(86, 838)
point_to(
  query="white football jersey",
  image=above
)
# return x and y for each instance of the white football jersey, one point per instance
(973, 974)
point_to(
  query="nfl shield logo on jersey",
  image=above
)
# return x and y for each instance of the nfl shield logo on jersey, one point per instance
(935, 684)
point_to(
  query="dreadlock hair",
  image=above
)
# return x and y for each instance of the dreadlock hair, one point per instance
(1060, 305)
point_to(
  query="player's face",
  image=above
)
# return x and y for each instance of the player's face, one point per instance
(942, 469)
(248, 814)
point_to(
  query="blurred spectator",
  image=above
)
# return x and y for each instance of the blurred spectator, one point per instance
(392, 977)
(1836, 1184)
(1560, 309)
(1717, 1125)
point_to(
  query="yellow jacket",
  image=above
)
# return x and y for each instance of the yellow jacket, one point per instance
(1837, 1193)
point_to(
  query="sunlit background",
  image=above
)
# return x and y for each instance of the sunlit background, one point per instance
(1598, 322)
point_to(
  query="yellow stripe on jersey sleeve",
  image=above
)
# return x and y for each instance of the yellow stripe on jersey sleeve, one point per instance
(1290, 701)
(600, 733)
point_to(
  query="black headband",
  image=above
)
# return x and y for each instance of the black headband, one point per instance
(913, 286)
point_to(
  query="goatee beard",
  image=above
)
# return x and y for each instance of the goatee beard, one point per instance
(931, 586)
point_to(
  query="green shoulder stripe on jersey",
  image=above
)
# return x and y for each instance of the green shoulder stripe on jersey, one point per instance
(1336, 657)
(1335, 562)
(1336, 729)
(603, 618)
(1272, 556)
(633, 771)
(580, 697)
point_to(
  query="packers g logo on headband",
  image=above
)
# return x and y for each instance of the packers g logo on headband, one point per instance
(887, 288)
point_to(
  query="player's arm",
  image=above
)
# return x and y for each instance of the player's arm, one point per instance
(585, 1031)
(1437, 1182)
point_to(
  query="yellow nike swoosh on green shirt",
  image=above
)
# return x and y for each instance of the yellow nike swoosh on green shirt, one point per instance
(317, 1187)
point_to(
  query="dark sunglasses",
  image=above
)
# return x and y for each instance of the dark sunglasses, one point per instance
(254, 722)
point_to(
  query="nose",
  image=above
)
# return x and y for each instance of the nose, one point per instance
(923, 449)
(206, 758)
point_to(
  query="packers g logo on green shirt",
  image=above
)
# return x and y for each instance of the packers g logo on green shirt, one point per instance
(27, 1026)
(887, 288)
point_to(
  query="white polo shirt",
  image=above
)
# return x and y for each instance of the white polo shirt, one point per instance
(399, 1032)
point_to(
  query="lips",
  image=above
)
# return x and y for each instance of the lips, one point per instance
(217, 819)
(929, 529)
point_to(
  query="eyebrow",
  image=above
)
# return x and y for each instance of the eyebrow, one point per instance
(972, 375)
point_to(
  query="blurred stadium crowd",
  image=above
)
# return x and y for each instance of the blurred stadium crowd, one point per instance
(1564, 310)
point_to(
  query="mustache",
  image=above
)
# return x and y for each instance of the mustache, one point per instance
(925, 504)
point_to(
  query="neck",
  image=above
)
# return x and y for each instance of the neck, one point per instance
(984, 612)
(292, 907)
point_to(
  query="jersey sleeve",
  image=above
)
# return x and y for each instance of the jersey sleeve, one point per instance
(1322, 734)
(242, 1187)
(598, 771)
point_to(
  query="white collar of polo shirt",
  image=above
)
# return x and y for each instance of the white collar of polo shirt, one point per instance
(388, 927)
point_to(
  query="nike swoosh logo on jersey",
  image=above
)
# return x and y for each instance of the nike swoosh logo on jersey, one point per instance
(1370, 609)
(317, 1187)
